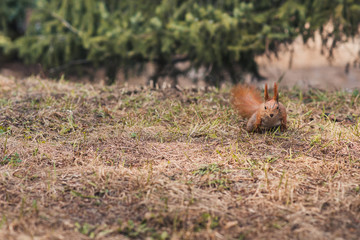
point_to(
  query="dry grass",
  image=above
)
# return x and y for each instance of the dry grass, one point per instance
(81, 161)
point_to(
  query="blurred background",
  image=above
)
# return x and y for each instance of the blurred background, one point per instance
(308, 43)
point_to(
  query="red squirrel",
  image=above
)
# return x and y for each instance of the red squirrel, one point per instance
(262, 115)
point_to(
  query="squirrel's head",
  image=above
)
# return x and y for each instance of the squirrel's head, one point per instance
(271, 106)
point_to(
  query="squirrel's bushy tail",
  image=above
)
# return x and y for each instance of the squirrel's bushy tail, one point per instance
(246, 100)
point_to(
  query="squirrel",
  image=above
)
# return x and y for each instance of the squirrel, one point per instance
(262, 115)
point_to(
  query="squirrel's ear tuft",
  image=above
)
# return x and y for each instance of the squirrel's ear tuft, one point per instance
(266, 94)
(276, 93)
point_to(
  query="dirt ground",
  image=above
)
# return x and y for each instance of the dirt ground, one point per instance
(81, 161)
(305, 66)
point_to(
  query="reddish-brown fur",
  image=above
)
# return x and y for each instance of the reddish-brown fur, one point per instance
(266, 93)
(276, 94)
(270, 113)
(246, 100)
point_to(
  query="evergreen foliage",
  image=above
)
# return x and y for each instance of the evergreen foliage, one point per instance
(12, 21)
(224, 35)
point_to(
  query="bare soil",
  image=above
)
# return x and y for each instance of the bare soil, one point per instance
(95, 162)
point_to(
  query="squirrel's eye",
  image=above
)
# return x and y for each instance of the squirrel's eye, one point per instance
(265, 107)
(277, 107)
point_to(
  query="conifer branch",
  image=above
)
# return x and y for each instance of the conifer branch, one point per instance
(65, 23)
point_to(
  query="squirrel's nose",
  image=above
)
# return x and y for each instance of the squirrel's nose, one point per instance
(271, 115)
